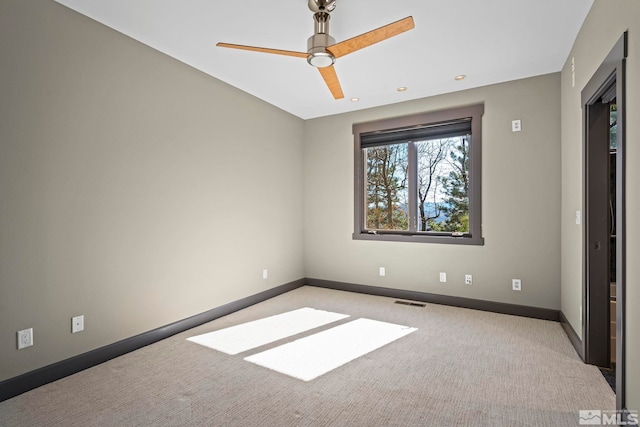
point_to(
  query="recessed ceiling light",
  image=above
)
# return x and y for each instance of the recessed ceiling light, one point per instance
(355, 99)
(460, 77)
(401, 89)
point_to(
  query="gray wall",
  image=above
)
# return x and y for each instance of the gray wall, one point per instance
(520, 198)
(133, 189)
(604, 25)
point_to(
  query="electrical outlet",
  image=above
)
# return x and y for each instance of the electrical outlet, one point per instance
(265, 274)
(516, 125)
(383, 271)
(77, 324)
(468, 279)
(25, 338)
(443, 277)
(516, 284)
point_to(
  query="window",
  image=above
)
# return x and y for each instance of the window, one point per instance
(418, 177)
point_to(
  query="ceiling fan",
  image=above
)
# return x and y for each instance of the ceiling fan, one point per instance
(322, 49)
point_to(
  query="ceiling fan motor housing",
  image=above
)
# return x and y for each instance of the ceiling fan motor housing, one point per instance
(318, 42)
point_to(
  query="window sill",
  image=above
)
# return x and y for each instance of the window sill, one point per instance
(420, 238)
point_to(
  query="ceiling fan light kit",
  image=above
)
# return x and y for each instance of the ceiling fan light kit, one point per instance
(322, 49)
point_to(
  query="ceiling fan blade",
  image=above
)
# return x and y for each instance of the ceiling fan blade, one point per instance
(372, 37)
(331, 79)
(264, 50)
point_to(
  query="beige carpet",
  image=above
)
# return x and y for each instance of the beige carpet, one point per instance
(461, 367)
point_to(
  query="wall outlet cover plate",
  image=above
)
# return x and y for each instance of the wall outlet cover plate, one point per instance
(25, 338)
(77, 324)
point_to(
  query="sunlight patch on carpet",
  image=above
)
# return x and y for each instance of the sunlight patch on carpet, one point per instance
(243, 337)
(315, 355)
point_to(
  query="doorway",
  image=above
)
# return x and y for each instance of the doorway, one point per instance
(604, 217)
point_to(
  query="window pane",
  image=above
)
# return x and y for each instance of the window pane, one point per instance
(387, 195)
(443, 184)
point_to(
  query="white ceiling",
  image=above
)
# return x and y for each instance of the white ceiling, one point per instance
(490, 41)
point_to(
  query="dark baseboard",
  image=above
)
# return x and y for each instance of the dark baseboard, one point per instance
(496, 307)
(39, 377)
(573, 336)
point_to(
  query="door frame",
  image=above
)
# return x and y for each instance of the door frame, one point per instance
(611, 71)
